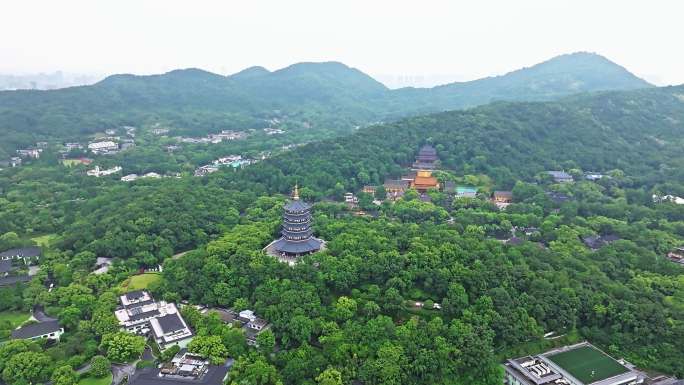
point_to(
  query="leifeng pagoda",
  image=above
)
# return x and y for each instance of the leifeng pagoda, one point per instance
(427, 156)
(297, 237)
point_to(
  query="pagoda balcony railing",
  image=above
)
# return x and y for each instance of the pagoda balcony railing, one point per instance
(301, 220)
(297, 229)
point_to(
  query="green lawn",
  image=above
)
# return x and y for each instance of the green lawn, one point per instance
(106, 380)
(16, 318)
(141, 281)
(44, 240)
(587, 364)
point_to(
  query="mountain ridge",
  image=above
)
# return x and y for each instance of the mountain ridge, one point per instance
(337, 95)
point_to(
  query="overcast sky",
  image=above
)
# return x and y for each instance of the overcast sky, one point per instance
(432, 39)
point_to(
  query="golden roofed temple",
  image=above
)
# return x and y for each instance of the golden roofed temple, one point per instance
(424, 181)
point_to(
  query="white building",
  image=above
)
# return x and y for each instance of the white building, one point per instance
(30, 153)
(103, 147)
(97, 172)
(129, 177)
(140, 314)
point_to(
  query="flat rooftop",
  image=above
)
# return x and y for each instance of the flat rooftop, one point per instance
(587, 364)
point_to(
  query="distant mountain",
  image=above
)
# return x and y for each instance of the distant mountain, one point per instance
(331, 95)
(559, 76)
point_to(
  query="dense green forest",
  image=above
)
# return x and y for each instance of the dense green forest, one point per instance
(347, 314)
(323, 99)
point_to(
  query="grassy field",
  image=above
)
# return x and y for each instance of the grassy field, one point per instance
(44, 240)
(106, 380)
(587, 364)
(141, 281)
(16, 318)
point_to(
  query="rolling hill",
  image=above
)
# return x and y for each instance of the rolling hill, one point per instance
(331, 95)
(640, 132)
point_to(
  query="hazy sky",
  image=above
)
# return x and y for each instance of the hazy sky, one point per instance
(430, 38)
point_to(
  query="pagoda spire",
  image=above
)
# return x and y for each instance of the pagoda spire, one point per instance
(295, 195)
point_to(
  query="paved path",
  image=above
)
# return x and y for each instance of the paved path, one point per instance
(119, 372)
(40, 315)
(179, 255)
(83, 369)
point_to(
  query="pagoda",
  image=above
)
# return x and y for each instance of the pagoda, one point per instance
(297, 237)
(427, 156)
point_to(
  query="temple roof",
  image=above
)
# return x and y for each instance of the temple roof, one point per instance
(427, 150)
(296, 205)
(293, 247)
(425, 181)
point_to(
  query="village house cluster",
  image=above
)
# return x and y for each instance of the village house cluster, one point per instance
(226, 135)
(18, 265)
(251, 324)
(234, 161)
(184, 369)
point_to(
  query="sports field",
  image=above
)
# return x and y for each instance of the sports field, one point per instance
(587, 364)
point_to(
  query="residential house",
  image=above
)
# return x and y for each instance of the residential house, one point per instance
(593, 176)
(73, 146)
(205, 170)
(160, 131)
(596, 242)
(127, 143)
(350, 198)
(273, 131)
(103, 147)
(251, 325)
(170, 329)
(184, 369)
(560, 176)
(557, 197)
(33, 153)
(676, 255)
(502, 199)
(140, 314)
(15, 161)
(503, 196)
(668, 198)
(41, 330)
(102, 265)
(26, 254)
(97, 172)
(10, 274)
(129, 178)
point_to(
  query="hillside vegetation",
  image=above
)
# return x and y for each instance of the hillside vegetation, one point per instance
(325, 98)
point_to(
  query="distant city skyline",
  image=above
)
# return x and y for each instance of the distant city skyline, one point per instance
(397, 42)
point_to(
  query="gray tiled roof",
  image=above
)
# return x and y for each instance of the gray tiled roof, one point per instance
(24, 252)
(171, 323)
(36, 329)
(290, 247)
(150, 376)
(5, 266)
